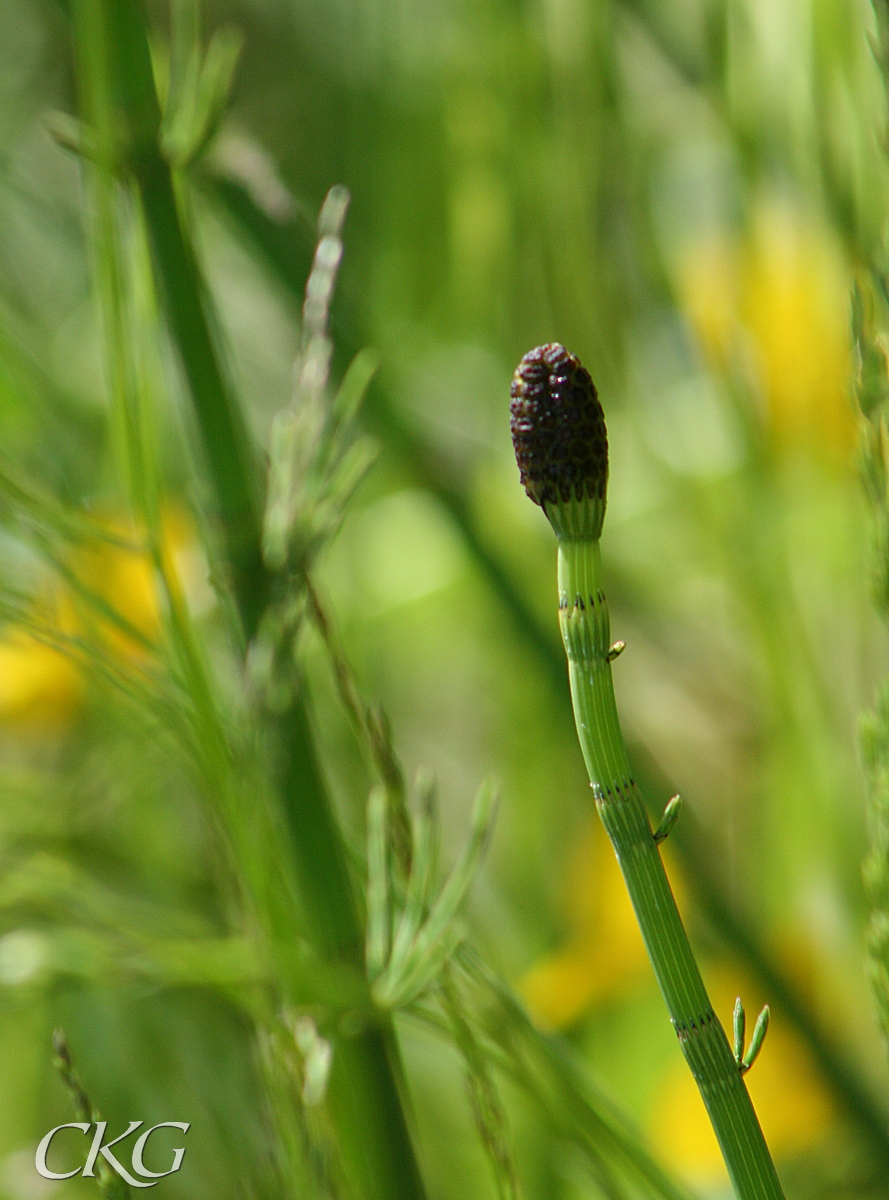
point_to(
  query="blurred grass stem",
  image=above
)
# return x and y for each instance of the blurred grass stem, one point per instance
(120, 101)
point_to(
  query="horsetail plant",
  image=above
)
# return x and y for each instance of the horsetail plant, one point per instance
(561, 445)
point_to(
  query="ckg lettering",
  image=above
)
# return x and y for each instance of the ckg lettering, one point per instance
(146, 1178)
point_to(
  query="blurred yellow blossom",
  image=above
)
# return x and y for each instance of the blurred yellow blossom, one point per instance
(42, 686)
(708, 292)
(124, 577)
(604, 952)
(775, 302)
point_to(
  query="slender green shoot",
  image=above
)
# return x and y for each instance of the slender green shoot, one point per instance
(739, 1024)
(428, 930)
(487, 1107)
(759, 1032)
(562, 451)
(668, 820)
(109, 1182)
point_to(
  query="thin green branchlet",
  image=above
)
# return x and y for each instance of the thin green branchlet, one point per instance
(561, 446)
(109, 1183)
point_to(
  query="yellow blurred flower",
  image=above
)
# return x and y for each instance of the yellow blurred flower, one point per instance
(41, 686)
(604, 953)
(708, 291)
(776, 302)
(124, 577)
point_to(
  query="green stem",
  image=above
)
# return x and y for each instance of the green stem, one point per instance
(583, 616)
(223, 433)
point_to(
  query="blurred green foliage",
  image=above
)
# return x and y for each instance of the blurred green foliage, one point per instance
(678, 192)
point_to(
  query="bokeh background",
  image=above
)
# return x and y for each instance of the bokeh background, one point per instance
(679, 192)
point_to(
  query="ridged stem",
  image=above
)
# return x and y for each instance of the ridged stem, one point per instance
(585, 625)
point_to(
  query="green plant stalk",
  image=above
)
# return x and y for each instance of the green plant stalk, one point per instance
(223, 434)
(120, 99)
(585, 626)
